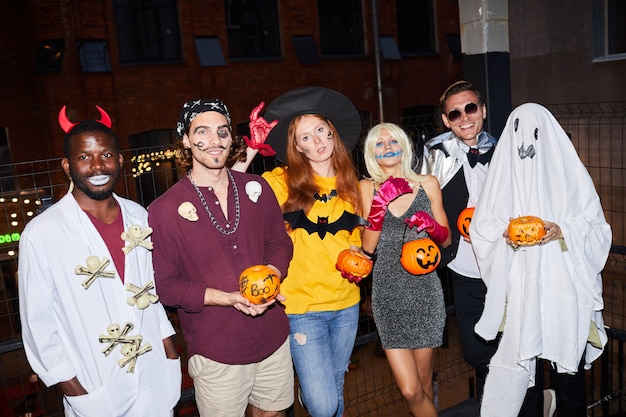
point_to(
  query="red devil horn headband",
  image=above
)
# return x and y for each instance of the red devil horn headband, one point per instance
(66, 125)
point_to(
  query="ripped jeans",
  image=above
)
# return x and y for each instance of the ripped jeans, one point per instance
(321, 345)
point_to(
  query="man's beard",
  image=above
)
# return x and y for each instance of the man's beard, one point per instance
(102, 193)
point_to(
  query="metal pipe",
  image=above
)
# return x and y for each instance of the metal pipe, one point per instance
(379, 82)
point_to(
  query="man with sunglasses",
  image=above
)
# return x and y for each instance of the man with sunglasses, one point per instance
(459, 158)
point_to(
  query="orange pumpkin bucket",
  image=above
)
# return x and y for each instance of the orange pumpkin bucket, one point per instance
(464, 221)
(420, 256)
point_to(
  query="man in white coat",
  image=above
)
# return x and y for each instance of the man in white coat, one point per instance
(91, 320)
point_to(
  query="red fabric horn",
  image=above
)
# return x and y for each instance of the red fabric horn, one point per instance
(104, 117)
(65, 123)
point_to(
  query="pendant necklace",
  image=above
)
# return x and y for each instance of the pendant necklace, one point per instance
(206, 206)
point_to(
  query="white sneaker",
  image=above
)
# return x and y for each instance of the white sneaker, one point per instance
(549, 402)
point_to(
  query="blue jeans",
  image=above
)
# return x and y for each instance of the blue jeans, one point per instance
(321, 345)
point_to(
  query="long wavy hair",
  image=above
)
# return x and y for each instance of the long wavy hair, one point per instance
(300, 175)
(369, 148)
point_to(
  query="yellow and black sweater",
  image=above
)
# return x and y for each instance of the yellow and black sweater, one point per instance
(312, 282)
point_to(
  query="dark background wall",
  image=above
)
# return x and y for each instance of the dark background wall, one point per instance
(142, 98)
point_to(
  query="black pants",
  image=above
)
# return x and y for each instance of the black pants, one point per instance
(469, 301)
(571, 400)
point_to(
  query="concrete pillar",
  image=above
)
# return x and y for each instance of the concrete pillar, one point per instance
(485, 61)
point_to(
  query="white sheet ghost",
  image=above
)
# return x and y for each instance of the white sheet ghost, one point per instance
(552, 292)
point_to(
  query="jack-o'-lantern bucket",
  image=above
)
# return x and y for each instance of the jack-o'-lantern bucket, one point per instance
(464, 221)
(420, 256)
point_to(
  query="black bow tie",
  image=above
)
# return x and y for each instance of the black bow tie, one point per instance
(474, 156)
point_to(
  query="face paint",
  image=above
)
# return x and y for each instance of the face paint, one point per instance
(389, 154)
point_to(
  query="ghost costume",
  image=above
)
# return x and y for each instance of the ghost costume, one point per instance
(62, 321)
(551, 294)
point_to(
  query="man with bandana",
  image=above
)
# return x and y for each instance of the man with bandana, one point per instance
(91, 321)
(459, 159)
(207, 230)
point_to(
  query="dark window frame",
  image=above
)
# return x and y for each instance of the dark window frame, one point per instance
(253, 29)
(609, 30)
(341, 28)
(148, 31)
(417, 34)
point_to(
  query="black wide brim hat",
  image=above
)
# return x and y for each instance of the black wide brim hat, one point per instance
(312, 100)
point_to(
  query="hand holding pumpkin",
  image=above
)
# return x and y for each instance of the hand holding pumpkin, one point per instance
(424, 221)
(391, 189)
(553, 232)
(259, 130)
(259, 284)
(525, 231)
(353, 265)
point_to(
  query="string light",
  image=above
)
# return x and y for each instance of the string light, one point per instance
(143, 163)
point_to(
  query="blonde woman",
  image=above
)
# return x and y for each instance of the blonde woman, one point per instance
(409, 310)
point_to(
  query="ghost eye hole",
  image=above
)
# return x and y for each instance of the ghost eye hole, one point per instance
(515, 124)
(536, 133)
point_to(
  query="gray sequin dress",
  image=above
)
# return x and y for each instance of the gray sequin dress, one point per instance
(409, 310)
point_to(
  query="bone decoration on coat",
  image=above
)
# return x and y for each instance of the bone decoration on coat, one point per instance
(94, 270)
(116, 336)
(141, 297)
(136, 236)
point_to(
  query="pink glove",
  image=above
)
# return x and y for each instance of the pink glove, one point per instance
(259, 130)
(391, 189)
(423, 221)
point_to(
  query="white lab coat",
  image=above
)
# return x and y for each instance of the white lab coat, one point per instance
(551, 293)
(62, 321)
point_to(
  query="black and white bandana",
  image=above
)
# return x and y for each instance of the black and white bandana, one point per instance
(194, 107)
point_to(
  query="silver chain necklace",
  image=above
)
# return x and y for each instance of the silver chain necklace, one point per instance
(206, 206)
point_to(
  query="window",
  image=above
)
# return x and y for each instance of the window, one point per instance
(609, 30)
(50, 56)
(153, 163)
(416, 26)
(147, 31)
(252, 29)
(341, 27)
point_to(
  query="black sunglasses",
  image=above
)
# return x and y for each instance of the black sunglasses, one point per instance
(455, 115)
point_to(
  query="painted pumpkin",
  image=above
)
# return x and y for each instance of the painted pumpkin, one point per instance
(420, 256)
(464, 220)
(354, 263)
(526, 230)
(259, 284)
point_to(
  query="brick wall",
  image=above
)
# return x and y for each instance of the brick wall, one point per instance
(146, 97)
